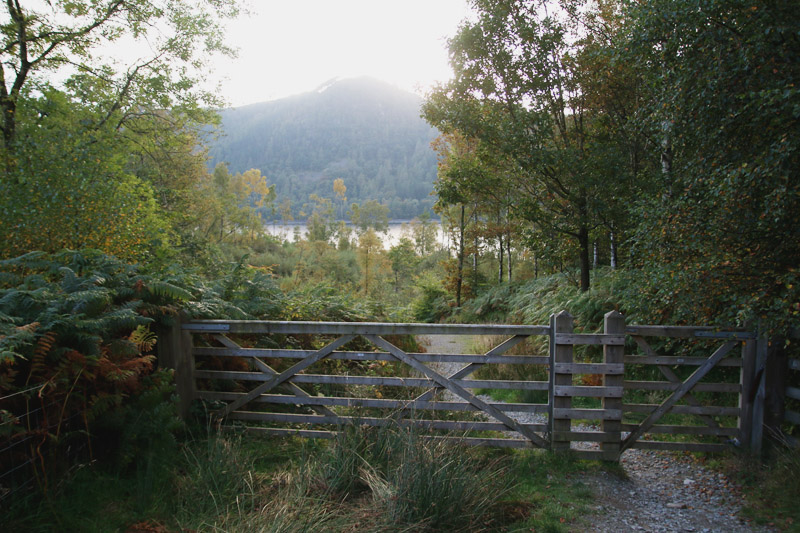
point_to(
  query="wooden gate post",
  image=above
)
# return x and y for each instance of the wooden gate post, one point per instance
(613, 324)
(560, 423)
(747, 395)
(175, 352)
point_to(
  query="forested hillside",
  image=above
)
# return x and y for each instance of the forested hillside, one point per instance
(363, 131)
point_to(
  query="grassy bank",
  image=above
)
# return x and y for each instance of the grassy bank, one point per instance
(367, 480)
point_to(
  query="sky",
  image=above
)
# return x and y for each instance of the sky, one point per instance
(289, 47)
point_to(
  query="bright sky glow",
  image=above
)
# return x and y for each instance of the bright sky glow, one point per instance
(292, 46)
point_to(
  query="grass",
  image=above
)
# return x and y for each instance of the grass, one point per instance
(771, 487)
(368, 479)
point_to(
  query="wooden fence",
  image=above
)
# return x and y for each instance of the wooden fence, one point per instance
(653, 387)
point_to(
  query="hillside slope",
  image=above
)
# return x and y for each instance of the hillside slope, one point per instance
(361, 130)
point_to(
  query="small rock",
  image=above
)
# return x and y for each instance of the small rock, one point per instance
(676, 505)
(687, 482)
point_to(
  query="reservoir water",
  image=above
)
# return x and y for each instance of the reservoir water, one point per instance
(397, 230)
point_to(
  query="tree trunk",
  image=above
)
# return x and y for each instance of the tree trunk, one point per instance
(613, 250)
(460, 275)
(500, 258)
(508, 247)
(583, 241)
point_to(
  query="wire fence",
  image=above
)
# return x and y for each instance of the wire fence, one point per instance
(38, 437)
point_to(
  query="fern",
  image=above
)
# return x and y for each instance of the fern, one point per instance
(168, 290)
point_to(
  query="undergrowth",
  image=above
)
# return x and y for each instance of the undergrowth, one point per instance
(367, 479)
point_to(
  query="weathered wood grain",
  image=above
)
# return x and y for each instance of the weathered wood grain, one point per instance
(357, 328)
(675, 397)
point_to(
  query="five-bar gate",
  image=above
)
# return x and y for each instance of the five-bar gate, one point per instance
(704, 393)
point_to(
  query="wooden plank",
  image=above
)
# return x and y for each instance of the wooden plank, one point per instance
(298, 392)
(680, 332)
(673, 377)
(288, 432)
(747, 376)
(265, 368)
(726, 335)
(669, 386)
(674, 360)
(377, 403)
(285, 375)
(590, 368)
(759, 388)
(447, 425)
(675, 397)
(374, 380)
(497, 351)
(613, 322)
(793, 393)
(319, 434)
(561, 324)
(585, 436)
(709, 410)
(680, 446)
(792, 417)
(687, 430)
(358, 328)
(587, 414)
(214, 351)
(587, 391)
(590, 338)
(458, 390)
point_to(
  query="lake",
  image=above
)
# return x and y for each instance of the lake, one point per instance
(397, 230)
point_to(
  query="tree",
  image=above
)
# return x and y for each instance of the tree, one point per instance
(370, 215)
(516, 89)
(70, 36)
(373, 262)
(320, 221)
(70, 187)
(424, 232)
(404, 261)
(340, 191)
(722, 240)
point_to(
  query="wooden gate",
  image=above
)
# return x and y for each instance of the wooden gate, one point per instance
(589, 402)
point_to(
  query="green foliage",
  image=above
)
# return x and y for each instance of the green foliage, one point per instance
(73, 190)
(179, 37)
(721, 241)
(532, 302)
(771, 485)
(432, 304)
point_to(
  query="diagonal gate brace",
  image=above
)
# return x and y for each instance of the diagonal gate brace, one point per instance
(285, 375)
(265, 368)
(501, 349)
(457, 390)
(679, 393)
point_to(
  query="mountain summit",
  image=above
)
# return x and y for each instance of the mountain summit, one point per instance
(362, 130)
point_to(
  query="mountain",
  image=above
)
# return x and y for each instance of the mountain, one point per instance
(361, 130)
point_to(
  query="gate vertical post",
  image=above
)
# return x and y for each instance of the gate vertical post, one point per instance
(175, 352)
(613, 324)
(760, 390)
(748, 390)
(559, 421)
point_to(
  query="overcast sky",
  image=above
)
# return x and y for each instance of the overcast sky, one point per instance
(292, 46)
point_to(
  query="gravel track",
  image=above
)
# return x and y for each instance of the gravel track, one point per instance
(659, 491)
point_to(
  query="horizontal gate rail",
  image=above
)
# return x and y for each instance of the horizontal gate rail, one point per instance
(357, 328)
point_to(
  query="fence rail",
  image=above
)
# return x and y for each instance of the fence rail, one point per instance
(701, 396)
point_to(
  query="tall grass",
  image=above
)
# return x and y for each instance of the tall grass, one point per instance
(411, 480)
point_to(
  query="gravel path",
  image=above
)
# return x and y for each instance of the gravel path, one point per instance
(659, 492)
